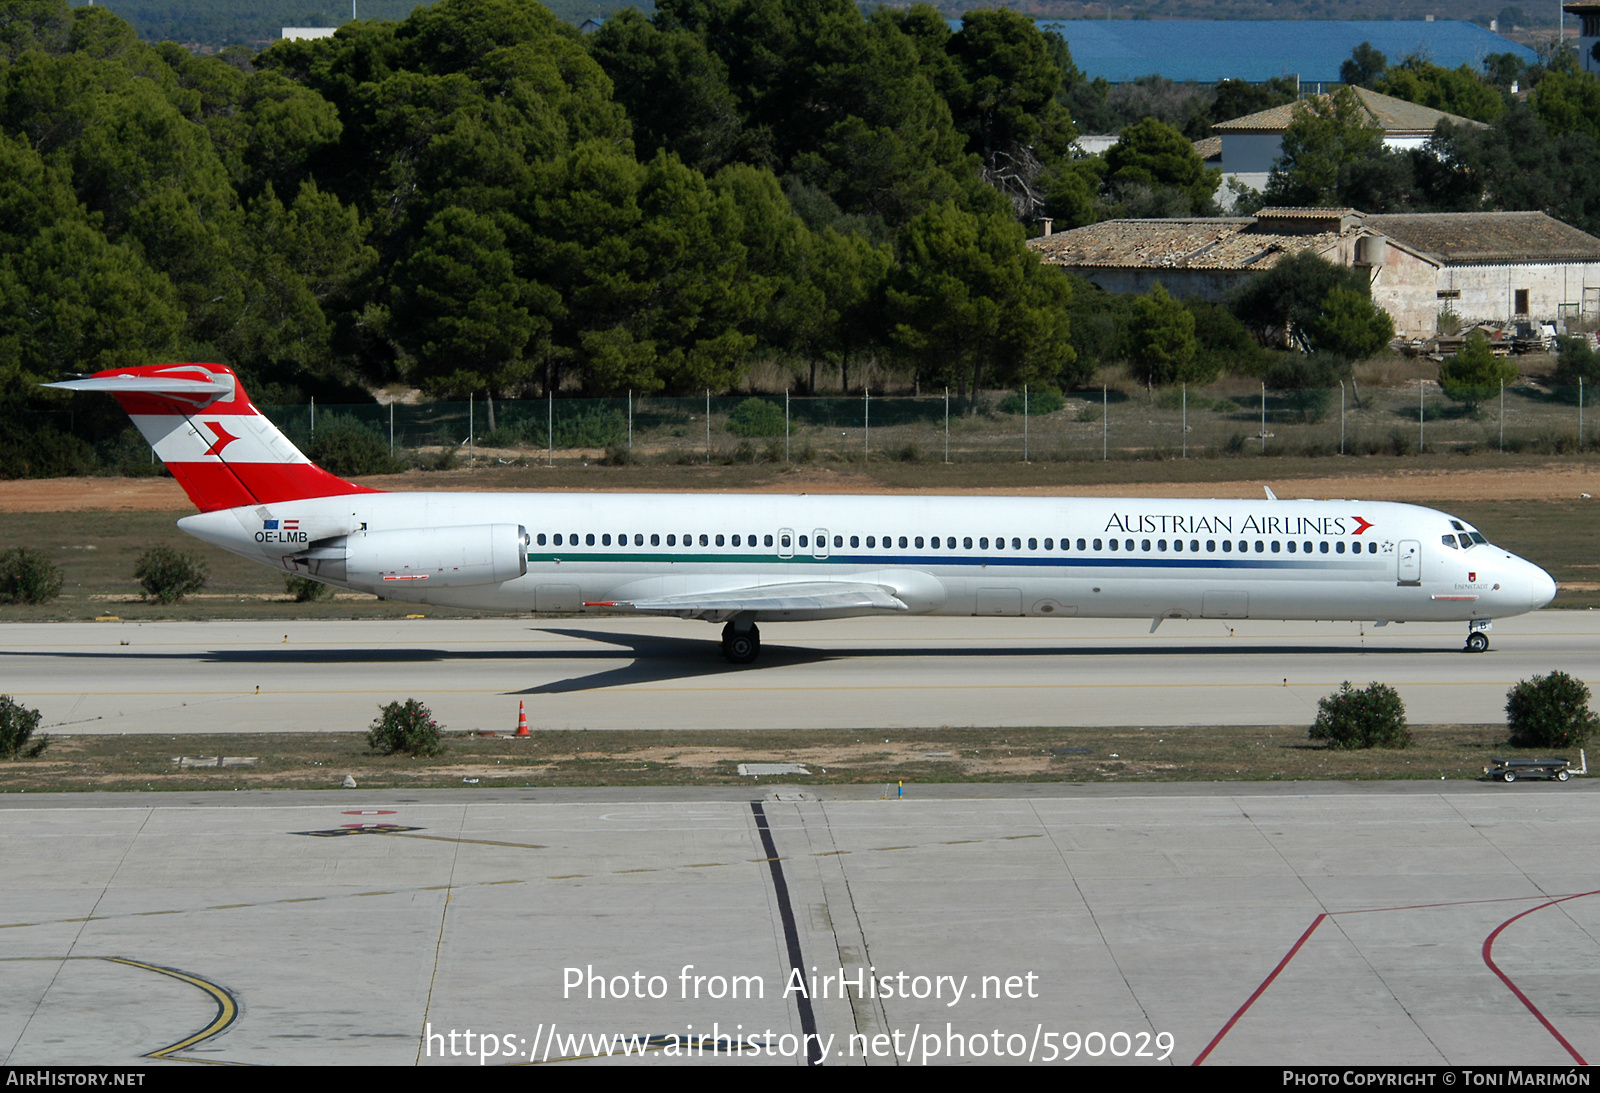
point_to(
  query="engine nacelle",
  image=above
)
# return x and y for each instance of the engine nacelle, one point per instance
(421, 558)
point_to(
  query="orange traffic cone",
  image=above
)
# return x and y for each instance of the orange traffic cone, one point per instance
(522, 721)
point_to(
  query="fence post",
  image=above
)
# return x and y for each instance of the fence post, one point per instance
(1263, 418)
(1185, 420)
(550, 428)
(1341, 417)
(1502, 415)
(708, 425)
(866, 420)
(391, 430)
(313, 419)
(946, 425)
(1024, 422)
(472, 452)
(786, 425)
(1105, 423)
(1580, 413)
(1422, 414)
(630, 420)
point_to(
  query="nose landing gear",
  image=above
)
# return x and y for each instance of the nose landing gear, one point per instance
(741, 646)
(1478, 636)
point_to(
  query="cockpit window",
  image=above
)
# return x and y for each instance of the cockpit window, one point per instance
(1448, 540)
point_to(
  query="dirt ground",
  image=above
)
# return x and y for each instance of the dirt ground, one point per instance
(1074, 754)
(1547, 482)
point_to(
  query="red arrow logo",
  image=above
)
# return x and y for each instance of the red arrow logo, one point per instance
(1365, 524)
(224, 438)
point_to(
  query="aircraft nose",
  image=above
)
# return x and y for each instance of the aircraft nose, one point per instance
(1541, 588)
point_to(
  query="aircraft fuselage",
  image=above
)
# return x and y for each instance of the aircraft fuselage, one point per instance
(1090, 557)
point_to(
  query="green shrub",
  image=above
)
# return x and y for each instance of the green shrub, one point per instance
(1550, 712)
(28, 577)
(346, 446)
(167, 576)
(1475, 374)
(756, 417)
(405, 726)
(1372, 717)
(578, 422)
(442, 460)
(17, 725)
(42, 451)
(595, 427)
(128, 454)
(1044, 401)
(1575, 361)
(305, 590)
(1306, 383)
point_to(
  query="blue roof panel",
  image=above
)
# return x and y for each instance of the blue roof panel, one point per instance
(1207, 50)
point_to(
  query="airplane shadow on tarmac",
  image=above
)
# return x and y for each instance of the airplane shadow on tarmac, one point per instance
(653, 659)
(656, 659)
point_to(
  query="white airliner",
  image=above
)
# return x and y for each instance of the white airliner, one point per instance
(744, 559)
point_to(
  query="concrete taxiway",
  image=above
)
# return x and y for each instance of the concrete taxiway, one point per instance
(1400, 924)
(611, 673)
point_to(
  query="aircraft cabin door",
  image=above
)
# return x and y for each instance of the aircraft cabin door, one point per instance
(1410, 561)
(819, 543)
(786, 542)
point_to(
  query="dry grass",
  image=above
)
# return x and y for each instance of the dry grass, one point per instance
(1132, 754)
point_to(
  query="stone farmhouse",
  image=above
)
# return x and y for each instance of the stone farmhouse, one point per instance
(1497, 267)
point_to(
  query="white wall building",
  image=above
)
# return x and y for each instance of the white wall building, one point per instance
(1480, 266)
(1251, 145)
(1588, 14)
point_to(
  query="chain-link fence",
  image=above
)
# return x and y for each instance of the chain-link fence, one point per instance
(1038, 426)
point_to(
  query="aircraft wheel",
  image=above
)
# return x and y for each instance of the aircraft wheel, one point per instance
(1477, 642)
(742, 646)
(1562, 776)
(1509, 776)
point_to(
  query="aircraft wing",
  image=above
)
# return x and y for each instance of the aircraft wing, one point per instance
(827, 596)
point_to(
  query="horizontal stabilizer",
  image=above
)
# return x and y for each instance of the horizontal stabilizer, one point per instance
(814, 596)
(150, 385)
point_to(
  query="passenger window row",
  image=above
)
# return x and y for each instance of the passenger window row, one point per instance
(604, 539)
(918, 542)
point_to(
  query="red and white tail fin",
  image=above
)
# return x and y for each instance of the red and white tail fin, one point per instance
(218, 446)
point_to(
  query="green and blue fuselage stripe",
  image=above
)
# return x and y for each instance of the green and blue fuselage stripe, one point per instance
(927, 561)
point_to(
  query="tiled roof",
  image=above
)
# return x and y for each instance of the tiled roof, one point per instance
(1211, 147)
(1201, 243)
(1251, 243)
(1395, 117)
(1305, 212)
(1487, 238)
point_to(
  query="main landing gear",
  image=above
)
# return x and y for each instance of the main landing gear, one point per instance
(741, 646)
(1477, 636)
